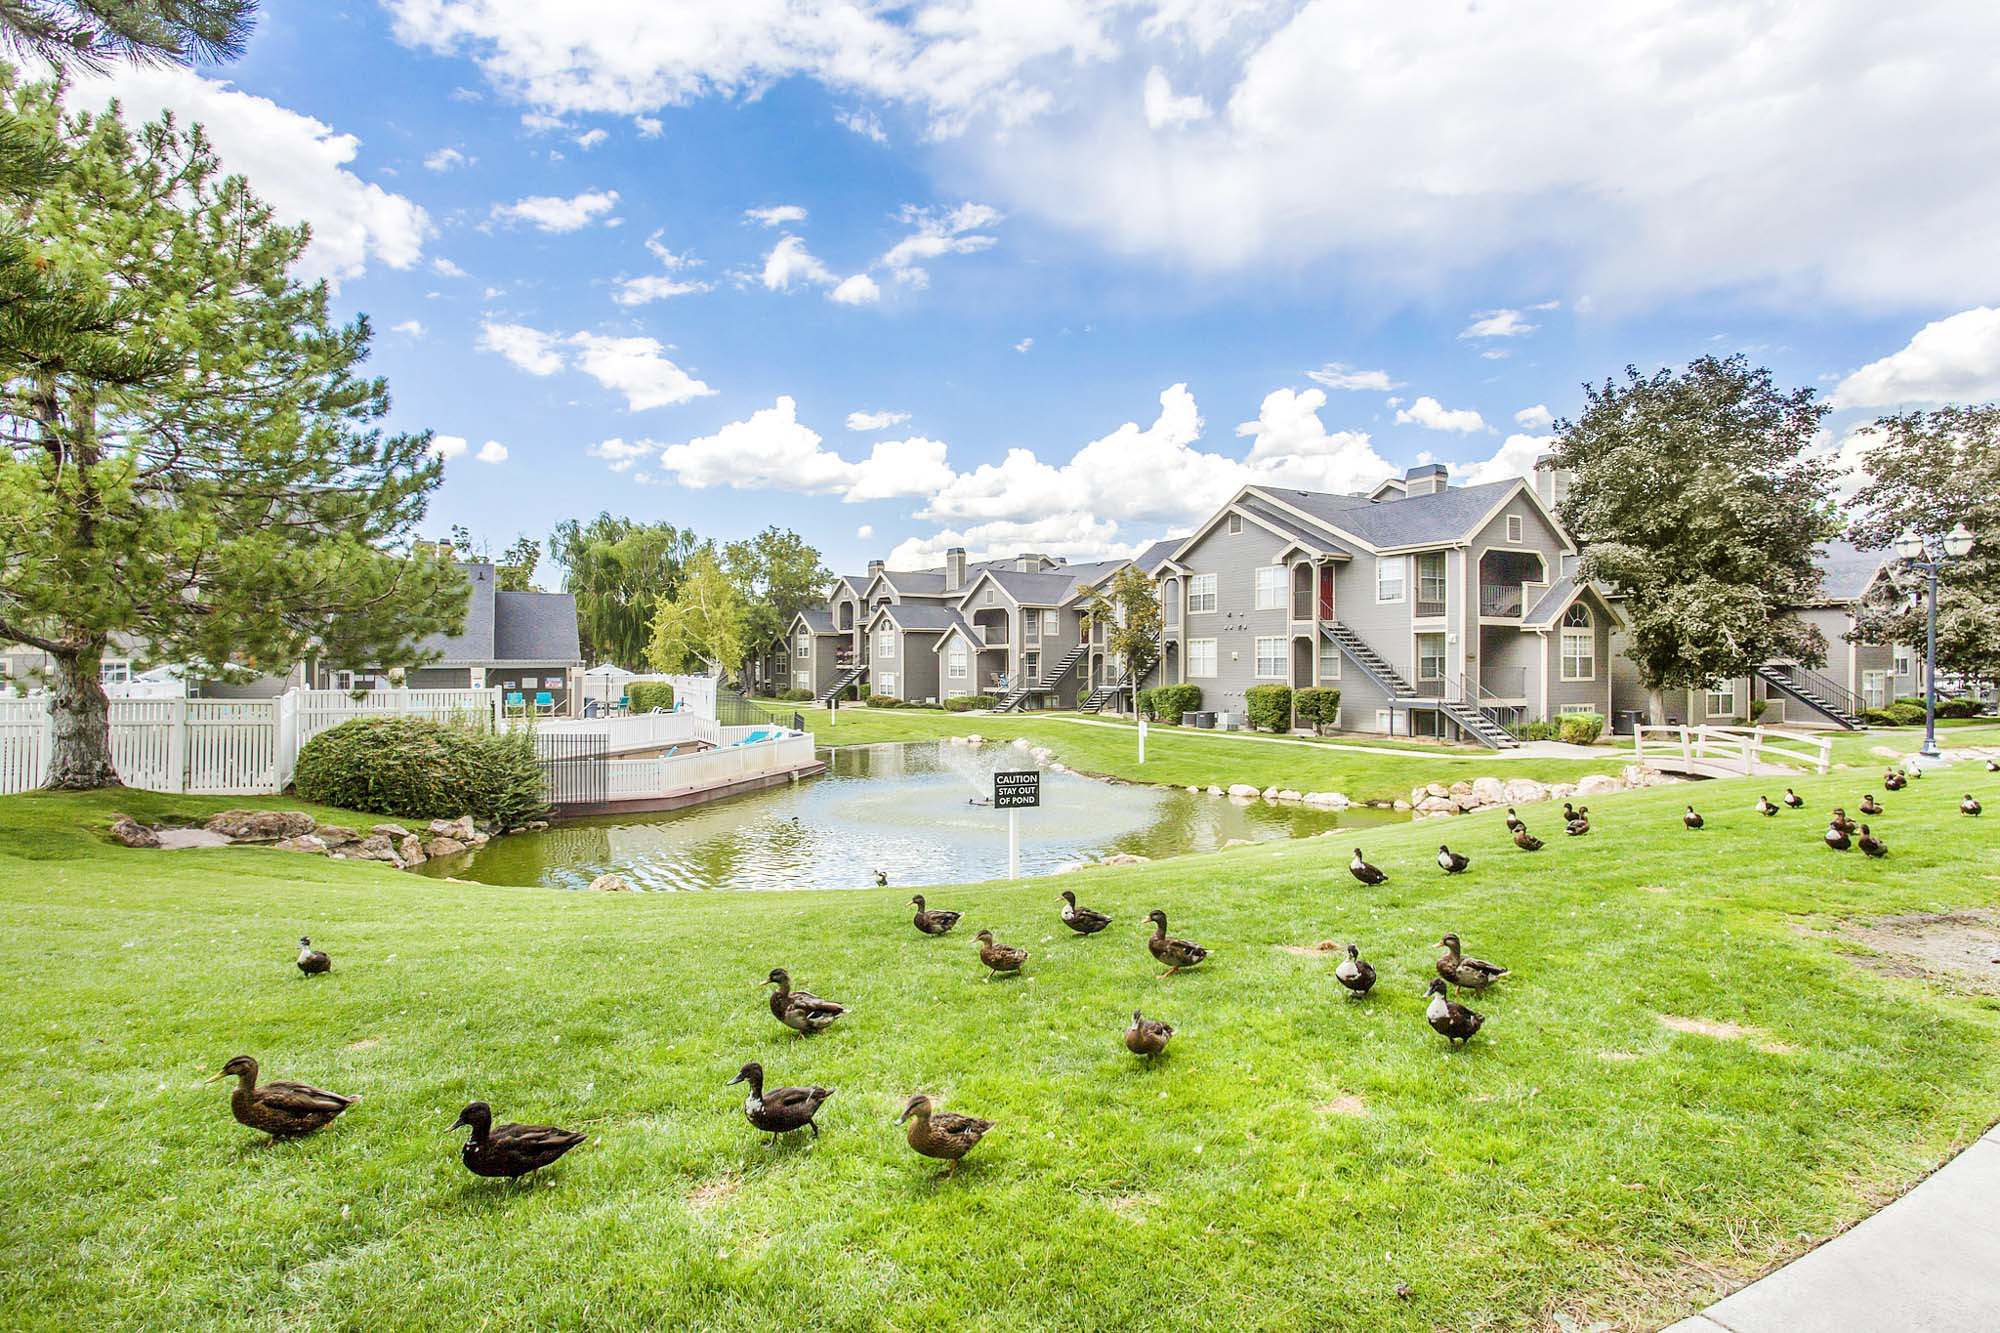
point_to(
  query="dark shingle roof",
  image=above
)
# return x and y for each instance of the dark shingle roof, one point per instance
(1150, 559)
(473, 643)
(1551, 603)
(1054, 587)
(1847, 570)
(1448, 515)
(819, 621)
(535, 627)
(923, 617)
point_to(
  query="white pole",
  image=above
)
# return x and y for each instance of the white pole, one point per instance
(1013, 844)
(1142, 740)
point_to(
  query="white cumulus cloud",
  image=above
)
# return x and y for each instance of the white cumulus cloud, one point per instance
(527, 348)
(492, 452)
(777, 215)
(1339, 375)
(773, 450)
(660, 286)
(1534, 418)
(875, 420)
(1515, 458)
(1951, 360)
(448, 159)
(553, 213)
(1429, 413)
(638, 368)
(857, 290)
(1498, 324)
(1166, 111)
(447, 446)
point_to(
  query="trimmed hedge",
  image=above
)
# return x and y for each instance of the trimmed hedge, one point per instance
(966, 703)
(1268, 707)
(420, 769)
(795, 696)
(643, 696)
(1317, 707)
(1540, 730)
(1960, 708)
(1580, 728)
(885, 701)
(1898, 714)
(1170, 701)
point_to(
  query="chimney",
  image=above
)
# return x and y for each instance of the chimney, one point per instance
(874, 568)
(954, 569)
(1430, 479)
(1551, 482)
(1029, 562)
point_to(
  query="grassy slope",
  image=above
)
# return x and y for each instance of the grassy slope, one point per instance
(1577, 1155)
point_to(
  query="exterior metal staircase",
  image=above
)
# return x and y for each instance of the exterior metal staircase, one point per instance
(1017, 698)
(1823, 696)
(840, 684)
(1474, 723)
(1096, 700)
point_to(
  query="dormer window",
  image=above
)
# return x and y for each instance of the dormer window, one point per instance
(1236, 525)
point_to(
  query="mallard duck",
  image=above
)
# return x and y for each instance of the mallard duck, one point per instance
(509, 1151)
(1175, 953)
(1451, 862)
(1970, 805)
(1081, 919)
(1893, 780)
(1364, 872)
(1764, 807)
(999, 957)
(1993, 765)
(1526, 841)
(881, 879)
(781, 1110)
(1691, 819)
(1355, 972)
(282, 1110)
(312, 961)
(1871, 845)
(1793, 800)
(1473, 974)
(1514, 824)
(1147, 1036)
(1836, 838)
(1579, 823)
(1870, 806)
(1838, 819)
(944, 1135)
(800, 1010)
(1569, 812)
(933, 921)
(1448, 1018)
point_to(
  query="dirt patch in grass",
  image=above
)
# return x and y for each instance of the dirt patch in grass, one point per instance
(1133, 1207)
(1706, 1027)
(1346, 1104)
(1320, 950)
(365, 1044)
(1960, 948)
(718, 1189)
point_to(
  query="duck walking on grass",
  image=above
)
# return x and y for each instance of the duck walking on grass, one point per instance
(282, 1109)
(933, 921)
(1970, 805)
(800, 1010)
(1579, 822)
(1364, 872)
(1147, 1036)
(1081, 919)
(1450, 1019)
(1764, 807)
(1993, 765)
(1871, 845)
(881, 879)
(1355, 972)
(1837, 838)
(1527, 841)
(998, 957)
(1893, 780)
(312, 961)
(509, 1151)
(1870, 806)
(1691, 819)
(1451, 862)
(1175, 953)
(1794, 801)
(781, 1110)
(1514, 824)
(1473, 974)
(944, 1135)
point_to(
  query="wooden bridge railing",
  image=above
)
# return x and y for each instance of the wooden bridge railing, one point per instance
(1728, 749)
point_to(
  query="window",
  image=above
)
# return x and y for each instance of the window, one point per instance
(885, 642)
(886, 684)
(1031, 666)
(114, 671)
(1271, 657)
(803, 648)
(1389, 579)
(1430, 577)
(1270, 587)
(1513, 527)
(1430, 657)
(1171, 596)
(1235, 525)
(1329, 661)
(1875, 688)
(1904, 667)
(1201, 595)
(990, 598)
(955, 660)
(1052, 623)
(1201, 658)
(1570, 709)
(1579, 645)
(1721, 700)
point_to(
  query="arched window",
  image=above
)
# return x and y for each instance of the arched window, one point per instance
(1579, 644)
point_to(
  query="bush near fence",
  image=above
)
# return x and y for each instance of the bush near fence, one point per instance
(1268, 707)
(1580, 728)
(420, 769)
(643, 696)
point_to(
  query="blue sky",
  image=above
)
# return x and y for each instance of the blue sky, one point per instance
(1293, 241)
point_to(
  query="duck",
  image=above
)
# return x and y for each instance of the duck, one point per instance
(1473, 974)
(1355, 972)
(1175, 953)
(1450, 1019)
(944, 1135)
(1970, 805)
(1364, 872)
(1579, 823)
(781, 1110)
(1451, 862)
(312, 961)
(1993, 765)
(1871, 845)
(1081, 919)
(999, 957)
(1840, 820)
(1526, 841)
(881, 879)
(1793, 800)
(933, 921)
(1569, 812)
(283, 1110)
(1514, 824)
(1870, 806)
(1691, 819)
(1893, 780)
(1836, 838)
(1147, 1036)
(800, 1010)
(1764, 807)
(509, 1151)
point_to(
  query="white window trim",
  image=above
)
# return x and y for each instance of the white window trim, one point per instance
(1443, 575)
(1051, 624)
(1276, 591)
(1195, 648)
(957, 660)
(1193, 597)
(885, 643)
(1514, 529)
(1443, 655)
(1588, 637)
(1879, 696)
(1329, 654)
(1401, 563)
(888, 683)
(1257, 655)
(1709, 697)
(1234, 525)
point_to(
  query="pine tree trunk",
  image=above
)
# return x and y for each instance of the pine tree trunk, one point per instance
(82, 758)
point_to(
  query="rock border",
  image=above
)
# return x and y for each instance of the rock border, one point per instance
(296, 831)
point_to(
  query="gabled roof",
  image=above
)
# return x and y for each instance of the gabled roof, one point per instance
(535, 627)
(856, 583)
(1054, 587)
(918, 617)
(817, 620)
(473, 641)
(1552, 605)
(1159, 553)
(1846, 570)
(1450, 515)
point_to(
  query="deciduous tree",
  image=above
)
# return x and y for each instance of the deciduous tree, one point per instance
(702, 624)
(1129, 606)
(779, 575)
(620, 571)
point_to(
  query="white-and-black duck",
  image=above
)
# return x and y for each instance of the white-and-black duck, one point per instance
(1081, 919)
(1452, 863)
(1970, 805)
(1448, 1018)
(1793, 800)
(1355, 972)
(282, 1109)
(1514, 824)
(1838, 838)
(1691, 819)
(1993, 765)
(944, 1135)
(800, 1010)
(509, 1151)
(1175, 953)
(1527, 841)
(779, 1110)
(934, 920)
(1870, 806)
(1764, 807)
(312, 961)
(1004, 959)
(1364, 872)
(1871, 845)
(881, 879)
(1147, 1036)
(1473, 974)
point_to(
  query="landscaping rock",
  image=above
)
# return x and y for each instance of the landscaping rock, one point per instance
(132, 833)
(411, 848)
(181, 839)
(305, 842)
(1215, 791)
(537, 825)
(1437, 805)
(1241, 789)
(1401, 805)
(479, 838)
(1524, 791)
(1597, 784)
(1490, 791)
(260, 825)
(336, 835)
(396, 831)
(1238, 842)
(375, 847)
(1289, 795)
(1436, 789)
(1124, 859)
(610, 884)
(1461, 788)
(444, 847)
(1269, 793)
(460, 829)
(1562, 791)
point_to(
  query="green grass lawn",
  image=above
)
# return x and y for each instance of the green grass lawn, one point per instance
(1297, 1160)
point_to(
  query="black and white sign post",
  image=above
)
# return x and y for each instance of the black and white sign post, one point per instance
(1014, 792)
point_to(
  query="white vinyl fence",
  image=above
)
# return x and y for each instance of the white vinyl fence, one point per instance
(635, 779)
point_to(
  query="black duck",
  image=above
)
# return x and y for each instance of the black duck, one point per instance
(944, 1135)
(283, 1110)
(881, 879)
(1764, 807)
(1870, 806)
(1793, 800)
(312, 961)
(934, 921)
(1473, 974)
(998, 957)
(1355, 972)
(1081, 919)
(509, 1151)
(1175, 953)
(1451, 862)
(1691, 819)
(1448, 1018)
(1364, 872)
(1970, 805)
(1838, 838)
(1871, 845)
(800, 1010)
(1147, 1036)
(781, 1110)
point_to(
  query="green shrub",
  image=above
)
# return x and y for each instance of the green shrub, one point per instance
(795, 696)
(1580, 728)
(1143, 701)
(1901, 713)
(1268, 707)
(1318, 708)
(1540, 730)
(1913, 700)
(1960, 708)
(885, 701)
(420, 769)
(643, 696)
(1758, 707)
(1170, 701)
(966, 703)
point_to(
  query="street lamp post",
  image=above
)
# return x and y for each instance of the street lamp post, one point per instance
(1928, 556)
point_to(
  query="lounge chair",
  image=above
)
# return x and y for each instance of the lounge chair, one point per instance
(514, 703)
(545, 703)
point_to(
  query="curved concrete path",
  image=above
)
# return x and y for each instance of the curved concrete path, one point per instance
(1927, 1263)
(1527, 750)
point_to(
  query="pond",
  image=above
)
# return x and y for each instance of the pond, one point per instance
(903, 809)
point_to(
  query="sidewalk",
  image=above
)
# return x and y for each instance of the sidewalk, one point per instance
(1928, 1263)
(1527, 750)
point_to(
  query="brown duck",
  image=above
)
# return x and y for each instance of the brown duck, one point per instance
(312, 962)
(944, 1135)
(1081, 919)
(800, 1010)
(1514, 824)
(1893, 780)
(1691, 819)
(509, 1151)
(1969, 806)
(1796, 801)
(933, 920)
(283, 1110)
(1526, 841)
(1450, 1019)
(781, 1110)
(1579, 823)
(1840, 820)
(1871, 845)
(1466, 973)
(1355, 972)
(998, 957)
(1175, 953)
(1870, 806)
(1837, 838)
(1147, 1036)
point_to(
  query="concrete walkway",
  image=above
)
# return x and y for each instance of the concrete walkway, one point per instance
(1528, 750)
(1928, 1263)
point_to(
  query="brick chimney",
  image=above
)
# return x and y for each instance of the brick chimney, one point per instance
(1429, 479)
(954, 569)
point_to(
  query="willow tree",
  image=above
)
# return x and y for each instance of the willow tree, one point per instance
(213, 481)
